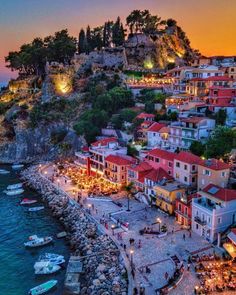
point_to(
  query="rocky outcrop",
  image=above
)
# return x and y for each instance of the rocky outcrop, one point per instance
(31, 144)
(169, 46)
(103, 269)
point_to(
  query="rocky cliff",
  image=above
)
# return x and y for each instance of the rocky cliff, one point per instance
(158, 51)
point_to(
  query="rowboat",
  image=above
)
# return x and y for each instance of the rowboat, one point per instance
(35, 241)
(45, 268)
(14, 186)
(17, 166)
(4, 172)
(35, 209)
(28, 201)
(14, 192)
(43, 288)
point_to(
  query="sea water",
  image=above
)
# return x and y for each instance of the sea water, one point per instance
(16, 225)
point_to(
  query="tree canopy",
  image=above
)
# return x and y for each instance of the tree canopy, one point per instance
(32, 57)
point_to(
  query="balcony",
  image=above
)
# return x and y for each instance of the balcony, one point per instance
(182, 214)
(163, 199)
(199, 221)
(205, 203)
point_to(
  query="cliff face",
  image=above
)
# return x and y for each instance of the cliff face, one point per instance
(32, 144)
(170, 46)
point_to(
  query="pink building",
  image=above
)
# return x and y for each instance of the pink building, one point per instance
(158, 158)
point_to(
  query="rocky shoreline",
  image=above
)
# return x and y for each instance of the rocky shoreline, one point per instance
(104, 271)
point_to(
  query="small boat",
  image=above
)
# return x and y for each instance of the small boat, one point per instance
(26, 201)
(43, 288)
(14, 192)
(14, 186)
(61, 235)
(35, 209)
(35, 241)
(52, 258)
(17, 166)
(4, 172)
(45, 268)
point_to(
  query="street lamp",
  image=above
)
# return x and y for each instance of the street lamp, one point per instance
(159, 222)
(131, 256)
(113, 228)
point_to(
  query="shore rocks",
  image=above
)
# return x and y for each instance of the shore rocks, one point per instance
(103, 268)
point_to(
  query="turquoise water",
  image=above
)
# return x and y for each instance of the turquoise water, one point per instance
(16, 225)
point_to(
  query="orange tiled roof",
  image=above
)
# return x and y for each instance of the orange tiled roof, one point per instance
(158, 174)
(119, 160)
(145, 115)
(156, 127)
(104, 142)
(188, 157)
(215, 164)
(220, 193)
(162, 154)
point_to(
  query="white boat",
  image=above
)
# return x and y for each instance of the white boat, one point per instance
(4, 172)
(52, 258)
(43, 288)
(35, 241)
(17, 166)
(28, 201)
(14, 186)
(35, 209)
(45, 268)
(14, 192)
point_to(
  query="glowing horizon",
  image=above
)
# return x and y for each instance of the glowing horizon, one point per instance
(209, 24)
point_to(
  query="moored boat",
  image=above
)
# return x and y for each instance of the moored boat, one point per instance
(26, 201)
(43, 288)
(35, 209)
(17, 166)
(14, 186)
(45, 268)
(4, 172)
(14, 192)
(52, 258)
(35, 241)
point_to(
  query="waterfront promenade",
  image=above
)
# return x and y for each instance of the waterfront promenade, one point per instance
(160, 256)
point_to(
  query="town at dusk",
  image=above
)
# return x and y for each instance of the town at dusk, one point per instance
(118, 147)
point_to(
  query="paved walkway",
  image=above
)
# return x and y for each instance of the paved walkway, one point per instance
(158, 254)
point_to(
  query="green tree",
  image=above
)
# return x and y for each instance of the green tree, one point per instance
(197, 148)
(118, 33)
(129, 189)
(221, 142)
(82, 41)
(221, 116)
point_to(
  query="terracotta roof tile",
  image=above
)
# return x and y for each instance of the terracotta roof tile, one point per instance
(104, 142)
(188, 157)
(162, 154)
(158, 174)
(156, 127)
(222, 194)
(119, 160)
(215, 164)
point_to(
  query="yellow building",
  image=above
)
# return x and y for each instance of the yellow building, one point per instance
(167, 193)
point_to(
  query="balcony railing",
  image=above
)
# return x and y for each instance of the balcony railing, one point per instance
(199, 221)
(160, 198)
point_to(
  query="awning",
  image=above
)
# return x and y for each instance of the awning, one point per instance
(230, 248)
(232, 237)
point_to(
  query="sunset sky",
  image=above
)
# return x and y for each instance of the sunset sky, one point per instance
(209, 24)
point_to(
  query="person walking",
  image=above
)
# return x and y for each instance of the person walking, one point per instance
(184, 237)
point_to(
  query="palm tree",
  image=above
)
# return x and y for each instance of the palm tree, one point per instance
(129, 189)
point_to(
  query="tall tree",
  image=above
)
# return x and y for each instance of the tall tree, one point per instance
(118, 33)
(82, 41)
(88, 40)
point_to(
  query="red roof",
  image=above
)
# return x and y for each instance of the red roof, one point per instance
(162, 154)
(233, 230)
(158, 174)
(85, 149)
(104, 142)
(194, 120)
(219, 78)
(218, 192)
(119, 160)
(215, 164)
(188, 157)
(156, 127)
(143, 166)
(145, 115)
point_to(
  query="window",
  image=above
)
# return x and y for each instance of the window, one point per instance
(196, 226)
(177, 164)
(185, 167)
(219, 220)
(154, 134)
(157, 160)
(193, 179)
(207, 172)
(169, 164)
(193, 167)
(209, 220)
(179, 207)
(186, 211)
(185, 179)
(151, 158)
(169, 172)
(177, 176)
(223, 174)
